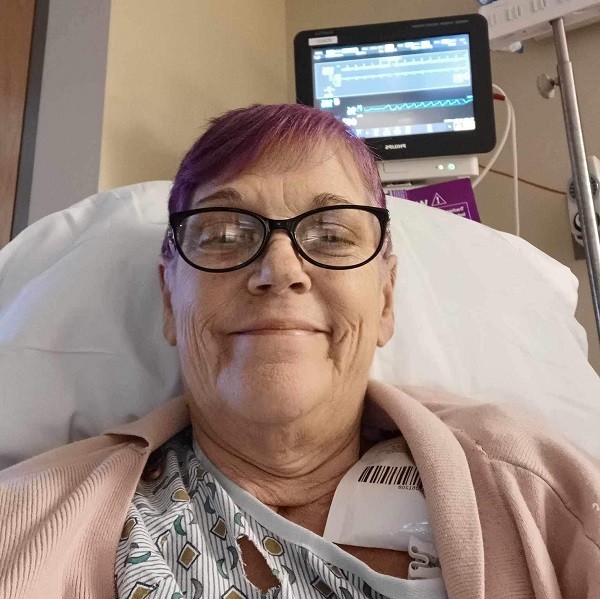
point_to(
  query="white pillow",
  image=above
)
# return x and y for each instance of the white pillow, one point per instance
(486, 315)
(81, 344)
(81, 347)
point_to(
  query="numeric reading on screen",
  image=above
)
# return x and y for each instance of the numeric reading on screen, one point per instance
(397, 88)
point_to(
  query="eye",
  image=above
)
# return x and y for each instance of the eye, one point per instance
(329, 233)
(328, 238)
(226, 234)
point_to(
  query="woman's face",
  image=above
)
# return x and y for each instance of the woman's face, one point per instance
(274, 340)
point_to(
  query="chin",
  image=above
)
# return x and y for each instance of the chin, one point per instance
(275, 393)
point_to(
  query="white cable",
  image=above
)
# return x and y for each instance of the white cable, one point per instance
(511, 126)
(515, 171)
(503, 139)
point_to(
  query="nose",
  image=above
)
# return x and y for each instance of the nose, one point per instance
(279, 268)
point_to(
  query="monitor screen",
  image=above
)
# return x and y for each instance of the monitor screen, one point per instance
(397, 88)
(409, 89)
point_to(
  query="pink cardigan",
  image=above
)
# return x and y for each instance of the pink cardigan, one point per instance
(515, 511)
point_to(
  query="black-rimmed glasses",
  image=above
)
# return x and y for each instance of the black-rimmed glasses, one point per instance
(338, 237)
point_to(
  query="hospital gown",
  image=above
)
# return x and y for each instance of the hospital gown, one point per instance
(180, 536)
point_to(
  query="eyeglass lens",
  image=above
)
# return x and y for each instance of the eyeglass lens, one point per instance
(222, 239)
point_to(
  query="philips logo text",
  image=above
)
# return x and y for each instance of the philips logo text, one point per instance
(395, 146)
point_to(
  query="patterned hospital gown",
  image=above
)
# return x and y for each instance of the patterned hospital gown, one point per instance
(180, 541)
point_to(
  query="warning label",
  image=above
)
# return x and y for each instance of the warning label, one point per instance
(453, 196)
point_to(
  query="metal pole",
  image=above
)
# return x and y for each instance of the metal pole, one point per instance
(581, 176)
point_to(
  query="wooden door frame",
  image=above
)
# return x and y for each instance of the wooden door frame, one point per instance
(30, 121)
(16, 29)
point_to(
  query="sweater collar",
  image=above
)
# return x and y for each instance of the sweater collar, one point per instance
(157, 427)
(449, 491)
(436, 452)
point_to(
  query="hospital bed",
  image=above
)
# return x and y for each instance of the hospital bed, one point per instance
(479, 313)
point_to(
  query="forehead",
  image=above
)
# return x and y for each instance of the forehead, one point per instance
(315, 178)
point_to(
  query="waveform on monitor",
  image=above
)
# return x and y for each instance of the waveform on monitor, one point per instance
(400, 74)
(449, 102)
(386, 62)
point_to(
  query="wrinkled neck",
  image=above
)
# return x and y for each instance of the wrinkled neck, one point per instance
(294, 470)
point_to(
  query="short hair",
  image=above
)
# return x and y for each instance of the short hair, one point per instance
(238, 139)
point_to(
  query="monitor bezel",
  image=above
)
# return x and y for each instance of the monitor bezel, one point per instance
(479, 140)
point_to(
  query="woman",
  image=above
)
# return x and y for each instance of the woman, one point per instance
(277, 276)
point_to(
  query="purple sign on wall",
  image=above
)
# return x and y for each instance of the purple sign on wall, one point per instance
(453, 196)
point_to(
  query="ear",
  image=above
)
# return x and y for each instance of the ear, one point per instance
(386, 323)
(169, 331)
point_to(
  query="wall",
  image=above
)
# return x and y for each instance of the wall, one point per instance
(543, 155)
(63, 152)
(542, 145)
(172, 66)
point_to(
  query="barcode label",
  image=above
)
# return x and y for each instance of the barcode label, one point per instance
(407, 477)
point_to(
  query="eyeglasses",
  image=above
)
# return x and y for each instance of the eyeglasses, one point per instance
(337, 237)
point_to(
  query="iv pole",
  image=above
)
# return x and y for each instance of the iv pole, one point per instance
(581, 177)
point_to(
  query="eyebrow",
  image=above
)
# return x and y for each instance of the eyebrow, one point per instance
(229, 195)
(327, 199)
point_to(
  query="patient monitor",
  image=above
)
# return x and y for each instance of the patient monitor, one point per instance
(418, 92)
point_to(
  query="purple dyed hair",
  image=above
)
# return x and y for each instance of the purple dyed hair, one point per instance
(239, 138)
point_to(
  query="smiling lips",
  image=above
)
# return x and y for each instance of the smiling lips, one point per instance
(295, 328)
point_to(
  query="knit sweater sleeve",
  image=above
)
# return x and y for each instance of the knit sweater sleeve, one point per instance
(535, 490)
(559, 528)
(61, 515)
(551, 489)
